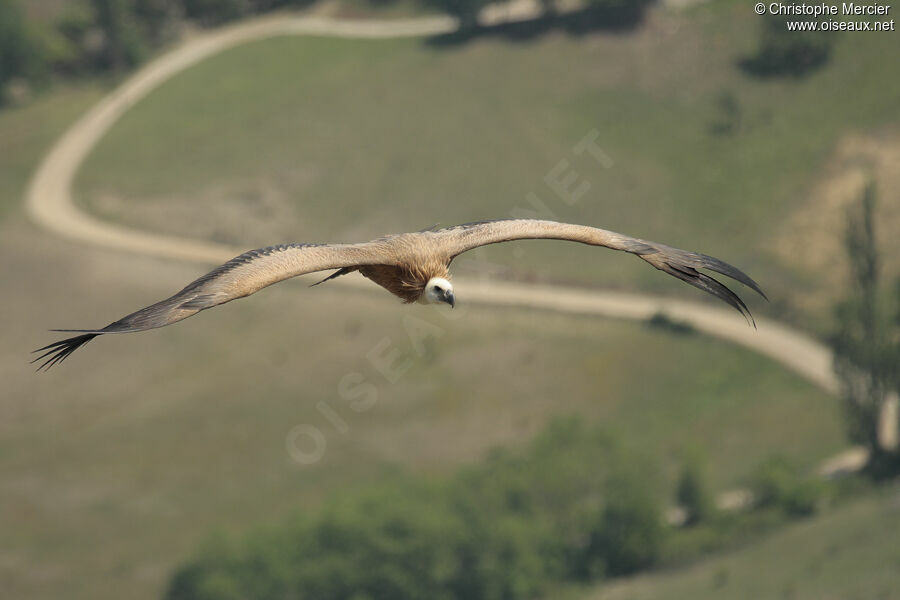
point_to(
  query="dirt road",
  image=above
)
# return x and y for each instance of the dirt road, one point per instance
(49, 203)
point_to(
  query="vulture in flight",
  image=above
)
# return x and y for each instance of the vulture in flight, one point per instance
(412, 266)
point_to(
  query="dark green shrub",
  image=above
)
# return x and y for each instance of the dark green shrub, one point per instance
(784, 52)
(616, 14)
(727, 116)
(21, 53)
(405, 543)
(212, 12)
(777, 484)
(466, 11)
(693, 493)
(573, 501)
(155, 17)
(662, 321)
(628, 534)
(123, 46)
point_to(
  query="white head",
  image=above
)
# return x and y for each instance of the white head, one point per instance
(438, 290)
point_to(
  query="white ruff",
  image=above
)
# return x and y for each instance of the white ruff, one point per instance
(430, 296)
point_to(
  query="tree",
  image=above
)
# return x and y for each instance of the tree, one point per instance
(616, 14)
(211, 12)
(728, 116)
(466, 11)
(782, 51)
(20, 53)
(549, 8)
(865, 342)
(155, 17)
(122, 43)
(777, 483)
(693, 493)
(628, 533)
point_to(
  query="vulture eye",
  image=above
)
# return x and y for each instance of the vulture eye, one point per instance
(439, 288)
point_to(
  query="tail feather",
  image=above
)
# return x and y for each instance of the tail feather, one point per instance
(59, 351)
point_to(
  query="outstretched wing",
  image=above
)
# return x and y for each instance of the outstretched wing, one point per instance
(239, 277)
(678, 263)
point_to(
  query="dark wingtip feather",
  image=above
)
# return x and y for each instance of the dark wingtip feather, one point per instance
(709, 284)
(720, 266)
(59, 351)
(684, 265)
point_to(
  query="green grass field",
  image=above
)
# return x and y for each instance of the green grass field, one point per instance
(140, 447)
(848, 553)
(116, 465)
(26, 132)
(344, 140)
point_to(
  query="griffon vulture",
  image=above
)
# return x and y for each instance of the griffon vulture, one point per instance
(412, 266)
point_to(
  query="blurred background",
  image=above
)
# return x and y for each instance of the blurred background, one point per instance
(331, 443)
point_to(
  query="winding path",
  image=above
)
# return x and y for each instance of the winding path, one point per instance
(49, 203)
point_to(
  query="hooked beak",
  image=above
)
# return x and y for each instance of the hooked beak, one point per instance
(449, 298)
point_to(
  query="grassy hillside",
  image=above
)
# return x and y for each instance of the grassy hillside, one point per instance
(115, 465)
(26, 132)
(141, 445)
(851, 552)
(323, 139)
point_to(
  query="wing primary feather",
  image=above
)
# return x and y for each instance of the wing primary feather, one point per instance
(239, 277)
(676, 262)
(60, 351)
(711, 285)
(720, 266)
(696, 260)
(256, 269)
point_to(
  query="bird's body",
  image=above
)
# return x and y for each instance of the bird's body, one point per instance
(412, 266)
